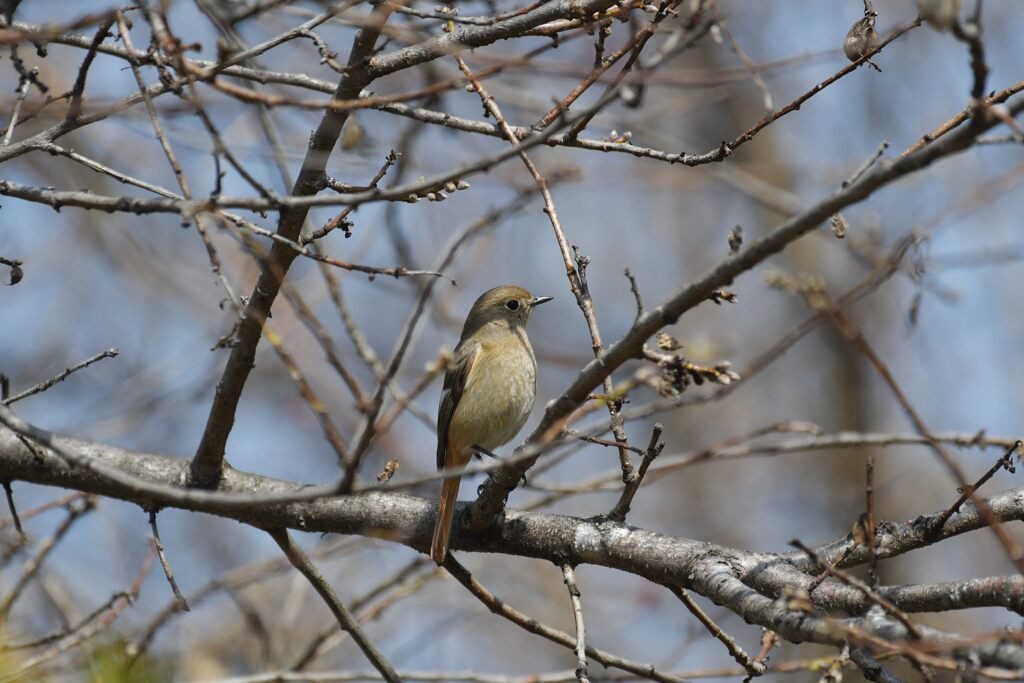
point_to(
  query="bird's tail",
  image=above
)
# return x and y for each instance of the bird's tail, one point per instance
(445, 515)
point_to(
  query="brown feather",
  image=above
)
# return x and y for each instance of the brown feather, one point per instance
(455, 380)
(445, 517)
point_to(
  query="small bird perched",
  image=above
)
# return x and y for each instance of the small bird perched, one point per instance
(862, 39)
(488, 391)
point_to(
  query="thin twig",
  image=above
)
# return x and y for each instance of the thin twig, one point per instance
(580, 650)
(769, 639)
(60, 377)
(9, 492)
(654, 448)
(755, 74)
(182, 603)
(63, 501)
(503, 609)
(866, 166)
(78, 90)
(22, 93)
(869, 501)
(345, 619)
(751, 665)
(35, 563)
(967, 113)
(970, 34)
(635, 288)
(71, 630)
(1004, 462)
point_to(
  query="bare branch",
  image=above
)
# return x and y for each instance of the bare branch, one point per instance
(60, 377)
(503, 609)
(345, 619)
(752, 667)
(208, 460)
(700, 566)
(654, 449)
(580, 649)
(35, 563)
(179, 599)
(9, 493)
(1005, 462)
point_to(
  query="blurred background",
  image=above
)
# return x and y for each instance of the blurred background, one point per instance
(949, 326)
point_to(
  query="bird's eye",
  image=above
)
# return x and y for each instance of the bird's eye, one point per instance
(512, 305)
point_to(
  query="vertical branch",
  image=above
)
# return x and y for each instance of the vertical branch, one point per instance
(345, 618)
(9, 492)
(654, 449)
(20, 94)
(180, 602)
(569, 577)
(630, 478)
(635, 288)
(209, 458)
(869, 496)
(970, 34)
(78, 90)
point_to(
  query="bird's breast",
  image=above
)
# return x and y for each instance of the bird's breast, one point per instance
(498, 397)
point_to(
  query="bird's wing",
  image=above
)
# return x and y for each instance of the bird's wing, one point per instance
(454, 382)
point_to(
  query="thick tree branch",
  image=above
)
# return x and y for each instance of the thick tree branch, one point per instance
(721, 574)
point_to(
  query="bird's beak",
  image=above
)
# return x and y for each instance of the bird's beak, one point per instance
(537, 301)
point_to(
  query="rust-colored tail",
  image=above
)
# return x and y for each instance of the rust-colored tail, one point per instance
(445, 515)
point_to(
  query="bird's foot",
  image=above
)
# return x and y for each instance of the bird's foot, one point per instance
(479, 452)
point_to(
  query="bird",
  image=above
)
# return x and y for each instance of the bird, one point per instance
(488, 393)
(862, 39)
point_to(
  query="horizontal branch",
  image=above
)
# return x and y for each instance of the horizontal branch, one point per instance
(425, 115)
(750, 448)
(188, 208)
(713, 571)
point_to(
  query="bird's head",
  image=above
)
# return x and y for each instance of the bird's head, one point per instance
(505, 303)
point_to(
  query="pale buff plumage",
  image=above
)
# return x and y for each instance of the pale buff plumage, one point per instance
(488, 393)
